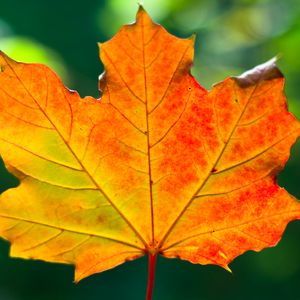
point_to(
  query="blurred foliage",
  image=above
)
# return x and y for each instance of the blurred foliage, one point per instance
(232, 36)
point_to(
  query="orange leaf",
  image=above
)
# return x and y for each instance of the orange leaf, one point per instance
(158, 165)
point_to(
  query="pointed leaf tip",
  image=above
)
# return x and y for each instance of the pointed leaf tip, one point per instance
(193, 38)
(141, 7)
(226, 267)
(142, 13)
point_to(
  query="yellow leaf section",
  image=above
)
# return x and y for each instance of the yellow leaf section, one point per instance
(239, 206)
(68, 152)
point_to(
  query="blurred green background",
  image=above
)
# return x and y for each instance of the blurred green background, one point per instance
(232, 36)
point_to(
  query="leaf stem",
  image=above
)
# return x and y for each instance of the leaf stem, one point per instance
(151, 274)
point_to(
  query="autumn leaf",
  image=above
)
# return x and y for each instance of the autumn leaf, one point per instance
(158, 165)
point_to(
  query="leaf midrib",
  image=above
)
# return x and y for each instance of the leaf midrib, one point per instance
(148, 139)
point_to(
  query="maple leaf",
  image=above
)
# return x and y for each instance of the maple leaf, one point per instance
(158, 165)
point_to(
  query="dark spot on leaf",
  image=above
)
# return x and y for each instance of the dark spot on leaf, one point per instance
(2, 69)
(100, 219)
(213, 170)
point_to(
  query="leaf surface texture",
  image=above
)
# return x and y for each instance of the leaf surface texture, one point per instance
(157, 165)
